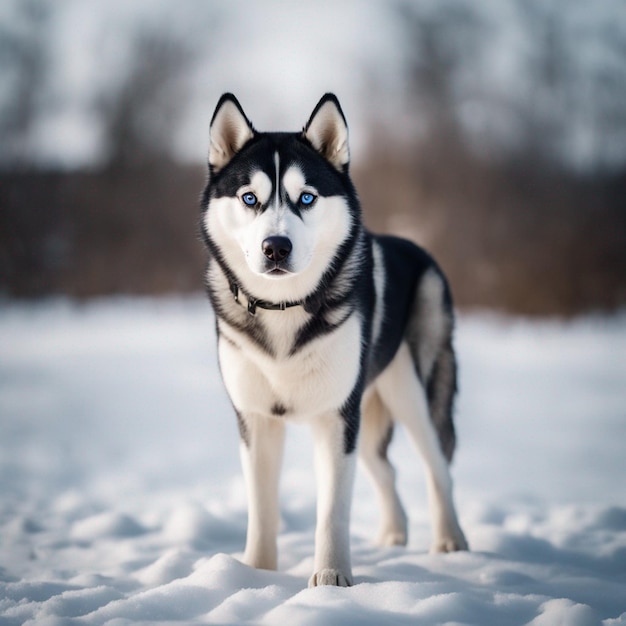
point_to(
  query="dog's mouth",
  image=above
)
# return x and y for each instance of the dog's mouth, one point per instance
(276, 271)
(276, 250)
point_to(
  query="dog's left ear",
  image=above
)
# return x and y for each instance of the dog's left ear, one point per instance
(230, 131)
(328, 132)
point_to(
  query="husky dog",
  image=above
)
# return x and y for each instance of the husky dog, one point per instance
(320, 321)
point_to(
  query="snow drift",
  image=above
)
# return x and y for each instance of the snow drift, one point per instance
(123, 502)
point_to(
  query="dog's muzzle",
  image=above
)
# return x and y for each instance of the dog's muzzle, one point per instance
(276, 250)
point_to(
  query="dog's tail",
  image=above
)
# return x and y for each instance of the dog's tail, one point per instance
(429, 336)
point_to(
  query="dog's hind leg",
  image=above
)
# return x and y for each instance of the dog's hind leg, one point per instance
(374, 439)
(404, 396)
(261, 456)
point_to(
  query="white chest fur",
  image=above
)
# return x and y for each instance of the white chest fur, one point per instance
(315, 380)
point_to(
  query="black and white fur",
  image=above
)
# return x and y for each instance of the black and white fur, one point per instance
(321, 322)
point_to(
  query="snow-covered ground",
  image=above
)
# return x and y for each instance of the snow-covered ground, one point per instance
(122, 502)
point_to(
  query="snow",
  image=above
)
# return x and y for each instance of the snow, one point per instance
(123, 502)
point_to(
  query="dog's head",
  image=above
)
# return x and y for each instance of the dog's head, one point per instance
(279, 206)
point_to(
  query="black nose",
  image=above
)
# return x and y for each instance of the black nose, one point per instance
(276, 248)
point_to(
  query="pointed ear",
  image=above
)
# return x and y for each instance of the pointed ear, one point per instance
(230, 131)
(328, 132)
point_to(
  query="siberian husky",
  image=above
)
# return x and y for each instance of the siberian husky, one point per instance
(322, 322)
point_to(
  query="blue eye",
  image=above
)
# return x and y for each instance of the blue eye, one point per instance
(307, 198)
(249, 199)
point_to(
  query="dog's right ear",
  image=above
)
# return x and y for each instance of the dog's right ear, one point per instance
(230, 131)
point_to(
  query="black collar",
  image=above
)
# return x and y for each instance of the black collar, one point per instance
(254, 303)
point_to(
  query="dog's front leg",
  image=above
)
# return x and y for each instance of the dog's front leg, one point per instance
(261, 457)
(334, 471)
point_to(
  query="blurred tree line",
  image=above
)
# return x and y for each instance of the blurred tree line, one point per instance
(517, 223)
(487, 180)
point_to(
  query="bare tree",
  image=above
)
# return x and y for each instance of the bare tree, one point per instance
(23, 48)
(441, 45)
(140, 114)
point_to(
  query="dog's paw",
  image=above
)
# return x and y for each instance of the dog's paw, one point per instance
(392, 538)
(330, 577)
(450, 544)
(266, 558)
